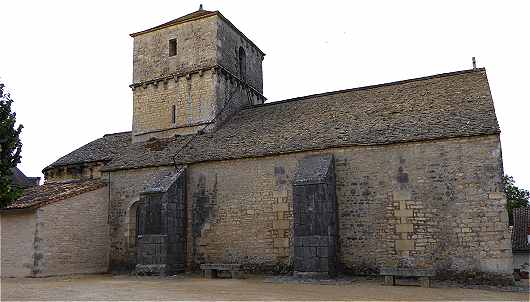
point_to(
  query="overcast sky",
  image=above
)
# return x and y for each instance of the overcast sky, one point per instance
(68, 64)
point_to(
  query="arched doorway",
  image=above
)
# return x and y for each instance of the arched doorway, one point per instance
(132, 231)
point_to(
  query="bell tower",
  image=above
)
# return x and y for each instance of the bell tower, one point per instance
(192, 73)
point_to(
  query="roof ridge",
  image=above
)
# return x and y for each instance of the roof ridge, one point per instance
(434, 76)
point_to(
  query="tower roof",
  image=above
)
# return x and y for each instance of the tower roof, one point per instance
(196, 15)
(199, 14)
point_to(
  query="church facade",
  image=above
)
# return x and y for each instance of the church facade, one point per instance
(399, 175)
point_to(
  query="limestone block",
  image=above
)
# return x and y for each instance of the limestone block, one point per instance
(404, 228)
(281, 242)
(404, 245)
(280, 224)
(496, 195)
(280, 207)
(401, 195)
(404, 213)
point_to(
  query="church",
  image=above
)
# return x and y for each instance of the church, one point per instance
(405, 174)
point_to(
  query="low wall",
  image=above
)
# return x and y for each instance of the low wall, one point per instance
(17, 235)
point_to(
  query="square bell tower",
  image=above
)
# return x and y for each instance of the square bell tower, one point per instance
(192, 73)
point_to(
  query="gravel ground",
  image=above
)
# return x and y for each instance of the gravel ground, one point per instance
(107, 287)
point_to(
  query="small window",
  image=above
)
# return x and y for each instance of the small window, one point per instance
(172, 47)
(173, 114)
(242, 63)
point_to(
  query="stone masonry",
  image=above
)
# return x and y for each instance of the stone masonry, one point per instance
(391, 212)
(70, 236)
(17, 235)
(75, 228)
(195, 84)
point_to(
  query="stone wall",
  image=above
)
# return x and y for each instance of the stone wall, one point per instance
(196, 48)
(193, 97)
(91, 170)
(16, 237)
(229, 41)
(72, 235)
(428, 204)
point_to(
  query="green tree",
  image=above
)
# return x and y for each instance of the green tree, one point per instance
(515, 197)
(10, 148)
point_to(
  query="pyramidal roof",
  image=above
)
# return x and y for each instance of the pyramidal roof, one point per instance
(199, 14)
(196, 15)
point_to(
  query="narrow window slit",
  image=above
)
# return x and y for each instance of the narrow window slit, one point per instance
(172, 47)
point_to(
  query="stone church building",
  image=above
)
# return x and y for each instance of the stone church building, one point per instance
(398, 175)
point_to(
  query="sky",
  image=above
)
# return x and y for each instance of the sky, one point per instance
(68, 64)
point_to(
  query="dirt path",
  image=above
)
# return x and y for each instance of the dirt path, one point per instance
(106, 287)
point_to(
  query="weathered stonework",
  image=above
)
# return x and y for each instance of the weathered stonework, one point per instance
(412, 204)
(74, 172)
(182, 93)
(17, 236)
(448, 223)
(72, 236)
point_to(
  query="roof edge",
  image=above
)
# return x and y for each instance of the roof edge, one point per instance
(434, 76)
(316, 149)
(116, 133)
(52, 166)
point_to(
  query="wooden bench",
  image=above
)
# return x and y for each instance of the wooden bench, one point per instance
(423, 275)
(210, 270)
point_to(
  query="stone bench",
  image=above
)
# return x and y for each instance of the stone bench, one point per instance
(423, 275)
(210, 270)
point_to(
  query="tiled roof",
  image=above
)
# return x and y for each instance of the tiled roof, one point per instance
(521, 223)
(52, 192)
(457, 104)
(163, 181)
(21, 180)
(102, 149)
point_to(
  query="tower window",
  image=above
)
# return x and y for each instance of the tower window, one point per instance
(173, 114)
(172, 47)
(242, 63)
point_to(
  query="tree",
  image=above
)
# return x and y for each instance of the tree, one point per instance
(515, 197)
(10, 148)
